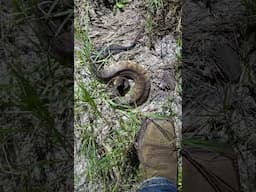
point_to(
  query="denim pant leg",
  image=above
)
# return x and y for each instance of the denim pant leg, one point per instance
(157, 184)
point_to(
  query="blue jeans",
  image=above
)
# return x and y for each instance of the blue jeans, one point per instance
(157, 184)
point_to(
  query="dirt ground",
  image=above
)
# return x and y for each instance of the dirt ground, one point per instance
(157, 51)
(106, 28)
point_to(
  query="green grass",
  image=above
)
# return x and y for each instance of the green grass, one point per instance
(108, 159)
(154, 5)
(107, 141)
(120, 5)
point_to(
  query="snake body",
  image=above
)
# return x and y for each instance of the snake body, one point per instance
(129, 70)
(123, 71)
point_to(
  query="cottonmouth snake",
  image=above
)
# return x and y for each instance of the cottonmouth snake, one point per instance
(121, 72)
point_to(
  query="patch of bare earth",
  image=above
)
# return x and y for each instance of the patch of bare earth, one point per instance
(156, 51)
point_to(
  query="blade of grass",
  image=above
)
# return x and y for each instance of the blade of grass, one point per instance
(86, 97)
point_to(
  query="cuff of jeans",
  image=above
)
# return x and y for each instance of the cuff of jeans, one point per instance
(157, 181)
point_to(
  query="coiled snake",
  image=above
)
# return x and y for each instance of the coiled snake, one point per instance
(120, 73)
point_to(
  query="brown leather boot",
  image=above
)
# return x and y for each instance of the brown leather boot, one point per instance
(156, 148)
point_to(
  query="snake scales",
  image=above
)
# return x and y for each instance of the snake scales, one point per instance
(121, 72)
